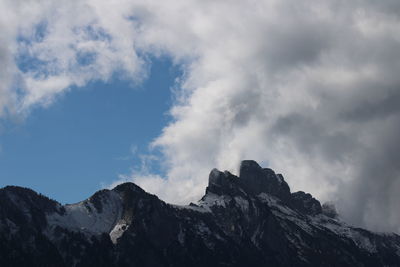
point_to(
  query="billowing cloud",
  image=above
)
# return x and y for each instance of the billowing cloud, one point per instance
(51, 46)
(309, 88)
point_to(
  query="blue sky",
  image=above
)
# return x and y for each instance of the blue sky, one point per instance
(85, 139)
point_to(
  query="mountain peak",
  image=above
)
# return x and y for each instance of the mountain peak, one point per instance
(221, 183)
(256, 180)
(246, 165)
(252, 180)
(128, 187)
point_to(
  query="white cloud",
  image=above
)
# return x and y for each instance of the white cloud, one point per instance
(63, 44)
(310, 87)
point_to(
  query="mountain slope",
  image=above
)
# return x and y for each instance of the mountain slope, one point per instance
(250, 220)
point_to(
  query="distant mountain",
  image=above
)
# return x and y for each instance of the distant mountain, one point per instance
(250, 220)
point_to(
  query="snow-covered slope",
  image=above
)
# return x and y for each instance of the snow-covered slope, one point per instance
(85, 217)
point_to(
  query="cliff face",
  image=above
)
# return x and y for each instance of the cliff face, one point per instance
(250, 220)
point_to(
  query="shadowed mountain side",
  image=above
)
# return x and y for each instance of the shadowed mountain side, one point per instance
(248, 220)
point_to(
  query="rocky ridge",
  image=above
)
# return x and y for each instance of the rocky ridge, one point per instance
(248, 220)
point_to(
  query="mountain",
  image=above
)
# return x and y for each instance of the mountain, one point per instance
(248, 220)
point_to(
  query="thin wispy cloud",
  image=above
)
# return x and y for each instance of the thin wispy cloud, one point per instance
(310, 87)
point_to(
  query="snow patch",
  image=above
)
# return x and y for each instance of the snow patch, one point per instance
(118, 231)
(283, 212)
(342, 229)
(84, 217)
(210, 200)
(190, 207)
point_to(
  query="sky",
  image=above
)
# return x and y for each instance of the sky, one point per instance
(88, 138)
(309, 88)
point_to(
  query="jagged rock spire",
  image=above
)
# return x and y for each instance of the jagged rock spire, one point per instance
(222, 183)
(252, 180)
(258, 180)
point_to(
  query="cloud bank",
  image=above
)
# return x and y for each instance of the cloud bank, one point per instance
(309, 88)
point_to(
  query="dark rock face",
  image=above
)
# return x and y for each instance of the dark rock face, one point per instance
(222, 183)
(250, 220)
(305, 203)
(257, 180)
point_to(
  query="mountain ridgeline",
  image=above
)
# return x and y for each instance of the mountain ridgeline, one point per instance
(248, 220)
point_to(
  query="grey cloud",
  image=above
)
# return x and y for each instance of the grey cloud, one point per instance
(373, 106)
(373, 196)
(315, 91)
(313, 137)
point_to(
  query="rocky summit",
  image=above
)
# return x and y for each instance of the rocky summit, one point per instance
(248, 220)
